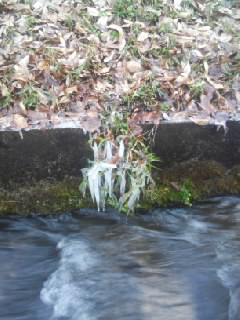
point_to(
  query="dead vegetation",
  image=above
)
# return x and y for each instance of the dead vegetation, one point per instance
(61, 61)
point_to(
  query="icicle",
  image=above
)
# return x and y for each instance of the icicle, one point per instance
(108, 181)
(95, 150)
(20, 133)
(108, 150)
(121, 149)
(95, 183)
(123, 181)
(103, 197)
(135, 194)
(92, 175)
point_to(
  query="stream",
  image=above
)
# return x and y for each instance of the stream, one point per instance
(172, 264)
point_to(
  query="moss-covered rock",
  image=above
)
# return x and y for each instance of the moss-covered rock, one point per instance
(182, 184)
(46, 197)
(190, 181)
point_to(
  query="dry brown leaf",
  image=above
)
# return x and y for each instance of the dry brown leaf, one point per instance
(36, 115)
(133, 66)
(202, 118)
(206, 97)
(3, 89)
(21, 70)
(90, 124)
(121, 38)
(43, 65)
(19, 121)
(71, 90)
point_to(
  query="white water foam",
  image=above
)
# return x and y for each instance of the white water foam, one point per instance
(63, 290)
(229, 275)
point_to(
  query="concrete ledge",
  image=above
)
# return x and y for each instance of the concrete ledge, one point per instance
(40, 170)
(179, 142)
(64, 152)
(35, 155)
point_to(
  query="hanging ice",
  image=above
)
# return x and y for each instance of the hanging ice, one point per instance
(95, 181)
(95, 150)
(108, 181)
(108, 150)
(122, 174)
(121, 149)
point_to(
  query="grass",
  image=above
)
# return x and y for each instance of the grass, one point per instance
(69, 23)
(11, 32)
(136, 10)
(29, 97)
(148, 94)
(51, 54)
(196, 89)
(132, 47)
(75, 74)
(163, 27)
(5, 101)
(30, 22)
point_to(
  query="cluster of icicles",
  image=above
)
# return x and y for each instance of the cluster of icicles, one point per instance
(121, 182)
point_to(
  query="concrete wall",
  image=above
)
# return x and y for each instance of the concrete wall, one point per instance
(57, 153)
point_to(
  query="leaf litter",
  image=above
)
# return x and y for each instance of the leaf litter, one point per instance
(62, 61)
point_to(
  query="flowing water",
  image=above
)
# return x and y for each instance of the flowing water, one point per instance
(174, 264)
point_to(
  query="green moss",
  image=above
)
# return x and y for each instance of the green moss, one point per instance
(187, 182)
(46, 197)
(183, 193)
(197, 171)
(180, 185)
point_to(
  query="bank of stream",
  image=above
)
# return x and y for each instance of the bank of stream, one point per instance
(83, 265)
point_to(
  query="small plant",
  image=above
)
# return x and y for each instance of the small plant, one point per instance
(51, 54)
(165, 107)
(114, 34)
(69, 22)
(30, 22)
(184, 192)
(131, 47)
(135, 10)
(196, 89)
(5, 101)
(75, 74)
(173, 14)
(124, 9)
(136, 28)
(11, 32)
(164, 28)
(149, 93)
(121, 169)
(29, 98)
(160, 52)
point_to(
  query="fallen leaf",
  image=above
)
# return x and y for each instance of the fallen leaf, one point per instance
(121, 38)
(102, 22)
(90, 124)
(19, 121)
(36, 115)
(143, 36)
(177, 4)
(21, 70)
(4, 89)
(43, 65)
(92, 12)
(134, 66)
